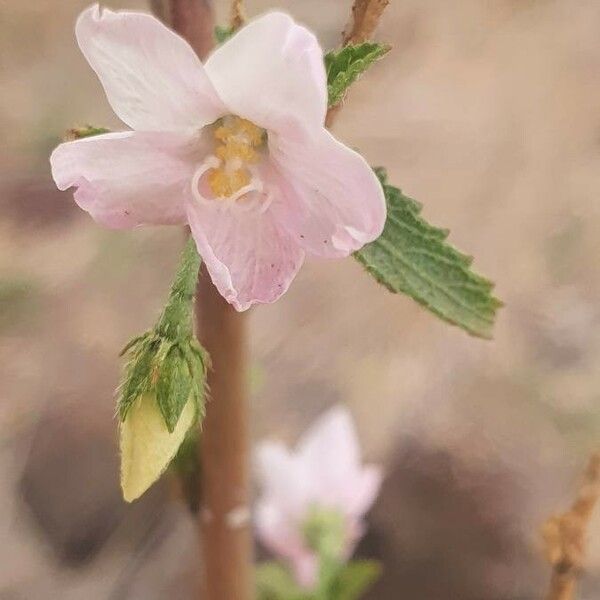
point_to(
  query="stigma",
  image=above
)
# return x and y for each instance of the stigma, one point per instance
(238, 146)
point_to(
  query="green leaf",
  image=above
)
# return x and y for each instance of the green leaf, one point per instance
(222, 34)
(198, 361)
(414, 258)
(345, 66)
(275, 582)
(137, 378)
(173, 386)
(355, 578)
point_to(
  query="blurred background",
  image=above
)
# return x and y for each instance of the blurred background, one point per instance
(488, 113)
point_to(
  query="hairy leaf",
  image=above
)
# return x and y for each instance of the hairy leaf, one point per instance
(173, 386)
(414, 258)
(345, 66)
(137, 378)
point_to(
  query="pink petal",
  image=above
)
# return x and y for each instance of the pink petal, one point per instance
(128, 178)
(334, 201)
(364, 490)
(276, 530)
(330, 447)
(283, 537)
(283, 478)
(249, 257)
(270, 72)
(306, 569)
(152, 77)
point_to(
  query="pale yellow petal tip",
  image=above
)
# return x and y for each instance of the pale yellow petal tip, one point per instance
(146, 445)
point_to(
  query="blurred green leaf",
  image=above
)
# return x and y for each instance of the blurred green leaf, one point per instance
(275, 582)
(354, 579)
(222, 34)
(19, 299)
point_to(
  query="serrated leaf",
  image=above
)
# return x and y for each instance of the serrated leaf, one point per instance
(275, 582)
(345, 66)
(411, 256)
(355, 578)
(222, 34)
(173, 386)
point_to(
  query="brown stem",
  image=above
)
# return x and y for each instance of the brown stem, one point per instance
(224, 447)
(365, 17)
(238, 18)
(565, 535)
(192, 19)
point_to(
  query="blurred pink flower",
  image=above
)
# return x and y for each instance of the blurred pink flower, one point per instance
(324, 472)
(236, 148)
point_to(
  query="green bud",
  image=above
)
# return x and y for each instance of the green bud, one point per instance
(163, 390)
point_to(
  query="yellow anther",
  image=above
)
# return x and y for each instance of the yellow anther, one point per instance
(251, 132)
(224, 184)
(237, 143)
(234, 149)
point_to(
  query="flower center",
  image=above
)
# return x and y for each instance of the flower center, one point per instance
(238, 146)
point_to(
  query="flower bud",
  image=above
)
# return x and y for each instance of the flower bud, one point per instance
(147, 446)
(162, 393)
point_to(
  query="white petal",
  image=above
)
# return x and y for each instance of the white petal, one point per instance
(271, 72)
(152, 77)
(128, 178)
(249, 257)
(334, 201)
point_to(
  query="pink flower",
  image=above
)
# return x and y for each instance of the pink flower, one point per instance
(236, 148)
(323, 473)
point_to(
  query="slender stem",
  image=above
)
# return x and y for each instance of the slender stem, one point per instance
(225, 447)
(192, 19)
(225, 450)
(565, 535)
(238, 18)
(365, 18)
(177, 318)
